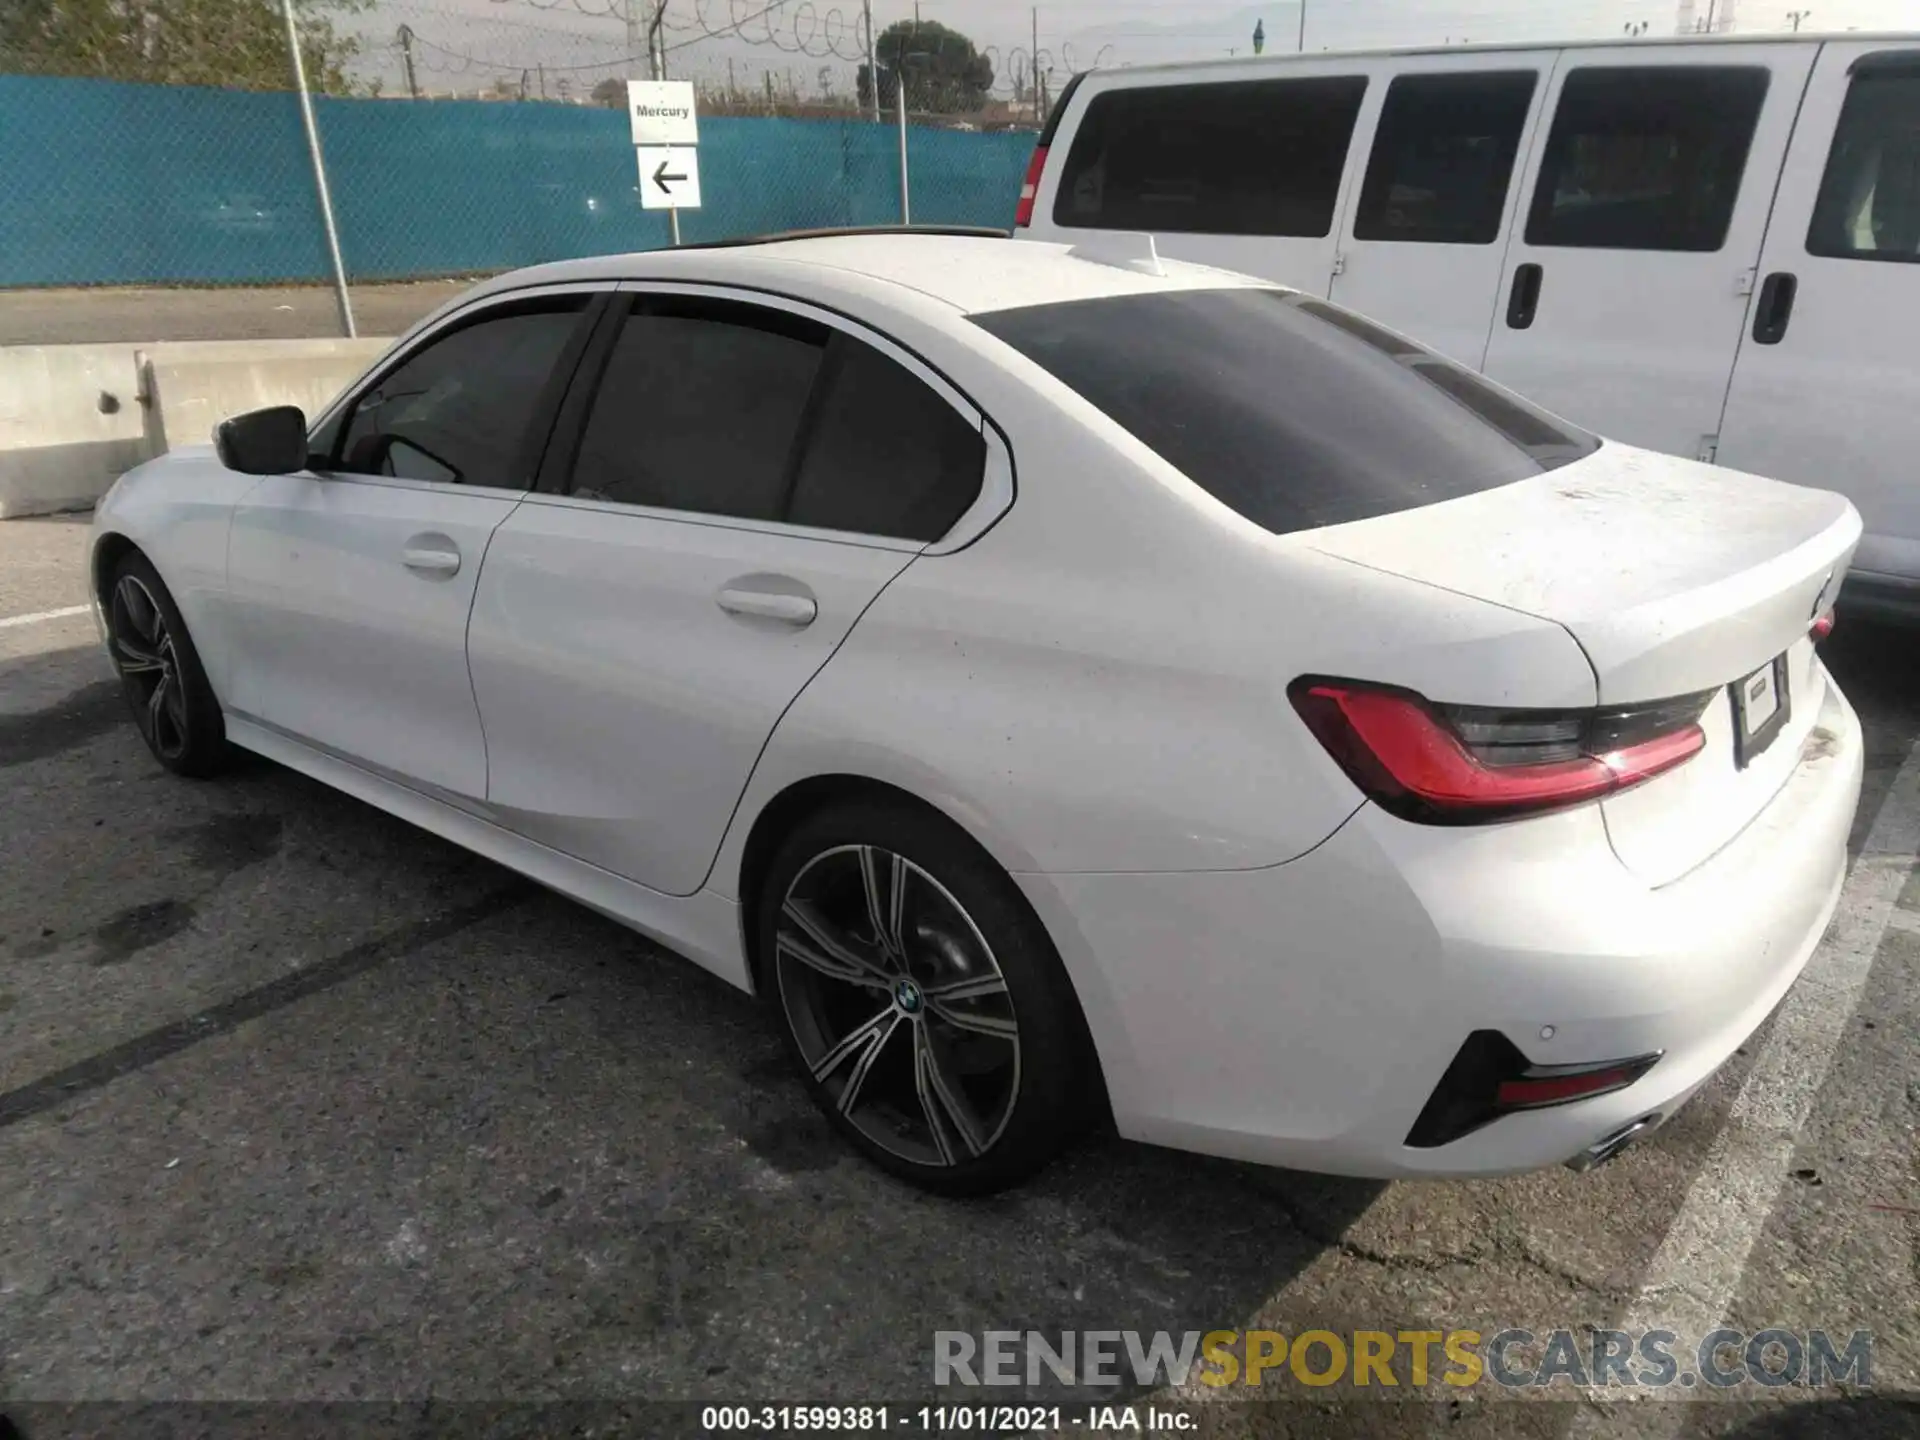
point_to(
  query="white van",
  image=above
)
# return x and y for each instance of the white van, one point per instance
(1705, 246)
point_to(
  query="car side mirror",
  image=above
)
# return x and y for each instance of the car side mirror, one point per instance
(264, 442)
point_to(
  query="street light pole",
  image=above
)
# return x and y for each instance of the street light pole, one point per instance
(319, 174)
(1301, 46)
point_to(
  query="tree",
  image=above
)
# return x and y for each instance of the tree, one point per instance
(611, 92)
(238, 43)
(944, 69)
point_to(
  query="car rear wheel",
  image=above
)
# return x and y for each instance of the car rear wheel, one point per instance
(173, 704)
(929, 1016)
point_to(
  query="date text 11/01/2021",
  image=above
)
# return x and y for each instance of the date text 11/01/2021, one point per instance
(942, 1419)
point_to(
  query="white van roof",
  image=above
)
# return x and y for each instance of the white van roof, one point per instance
(1246, 66)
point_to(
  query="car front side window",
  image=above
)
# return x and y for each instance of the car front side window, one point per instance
(459, 409)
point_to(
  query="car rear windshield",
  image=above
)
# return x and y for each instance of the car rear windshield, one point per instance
(1294, 412)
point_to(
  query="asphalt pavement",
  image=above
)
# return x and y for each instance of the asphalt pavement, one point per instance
(300, 1104)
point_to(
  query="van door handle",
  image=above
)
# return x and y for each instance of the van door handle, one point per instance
(1524, 298)
(1774, 308)
(796, 610)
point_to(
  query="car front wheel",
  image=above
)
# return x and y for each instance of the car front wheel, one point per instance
(173, 704)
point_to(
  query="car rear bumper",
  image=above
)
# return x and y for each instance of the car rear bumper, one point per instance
(1302, 1015)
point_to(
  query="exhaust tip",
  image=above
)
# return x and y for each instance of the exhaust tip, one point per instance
(1601, 1152)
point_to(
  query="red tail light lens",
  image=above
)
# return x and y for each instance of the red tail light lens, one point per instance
(1030, 187)
(1461, 765)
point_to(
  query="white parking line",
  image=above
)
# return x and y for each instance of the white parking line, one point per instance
(1700, 1263)
(34, 619)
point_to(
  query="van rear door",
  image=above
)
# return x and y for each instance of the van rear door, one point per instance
(1424, 233)
(1823, 392)
(1645, 203)
(1244, 166)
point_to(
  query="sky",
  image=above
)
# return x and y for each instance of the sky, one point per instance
(811, 45)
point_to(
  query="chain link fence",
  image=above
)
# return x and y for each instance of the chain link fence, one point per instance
(460, 139)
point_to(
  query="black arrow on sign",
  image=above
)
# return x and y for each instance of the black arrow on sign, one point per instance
(661, 178)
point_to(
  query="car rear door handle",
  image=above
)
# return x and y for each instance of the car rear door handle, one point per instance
(796, 610)
(426, 557)
(1774, 308)
(1524, 299)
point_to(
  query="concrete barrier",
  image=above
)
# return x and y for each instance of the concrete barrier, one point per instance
(70, 421)
(191, 386)
(75, 417)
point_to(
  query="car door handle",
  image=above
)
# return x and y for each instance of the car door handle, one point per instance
(429, 559)
(1524, 298)
(1774, 308)
(797, 610)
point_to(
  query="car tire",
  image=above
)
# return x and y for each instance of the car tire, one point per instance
(948, 1016)
(174, 706)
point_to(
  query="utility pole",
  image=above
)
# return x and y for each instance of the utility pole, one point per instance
(1033, 68)
(1302, 45)
(406, 59)
(873, 70)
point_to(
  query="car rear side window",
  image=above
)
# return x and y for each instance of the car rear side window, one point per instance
(1869, 205)
(884, 454)
(1251, 157)
(699, 408)
(723, 407)
(1443, 156)
(1646, 157)
(458, 409)
(1293, 412)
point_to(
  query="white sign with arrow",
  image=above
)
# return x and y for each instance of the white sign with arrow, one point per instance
(669, 177)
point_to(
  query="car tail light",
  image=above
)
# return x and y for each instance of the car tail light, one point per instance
(1822, 625)
(1030, 187)
(1466, 765)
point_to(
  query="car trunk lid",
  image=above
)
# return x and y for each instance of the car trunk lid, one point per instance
(1675, 578)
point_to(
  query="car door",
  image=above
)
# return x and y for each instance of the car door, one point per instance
(739, 477)
(351, 582)
(1245, 173)
(1626, 281)
(1423, 234)
(1823, 391)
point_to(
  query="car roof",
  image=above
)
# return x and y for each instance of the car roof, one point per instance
(970, 273)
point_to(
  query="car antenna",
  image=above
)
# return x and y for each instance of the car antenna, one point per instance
(1123, 249)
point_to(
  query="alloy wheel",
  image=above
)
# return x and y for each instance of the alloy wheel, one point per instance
(898, 1005)
(143, 651)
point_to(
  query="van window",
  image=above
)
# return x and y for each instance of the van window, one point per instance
(1646, 158)
(1254, 157)
(1443, 156)
(1869, 205)
(1294, 412)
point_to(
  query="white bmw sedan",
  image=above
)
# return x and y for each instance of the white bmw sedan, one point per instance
(1064, 683)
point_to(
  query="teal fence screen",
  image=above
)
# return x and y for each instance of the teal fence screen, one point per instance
(104, 183)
